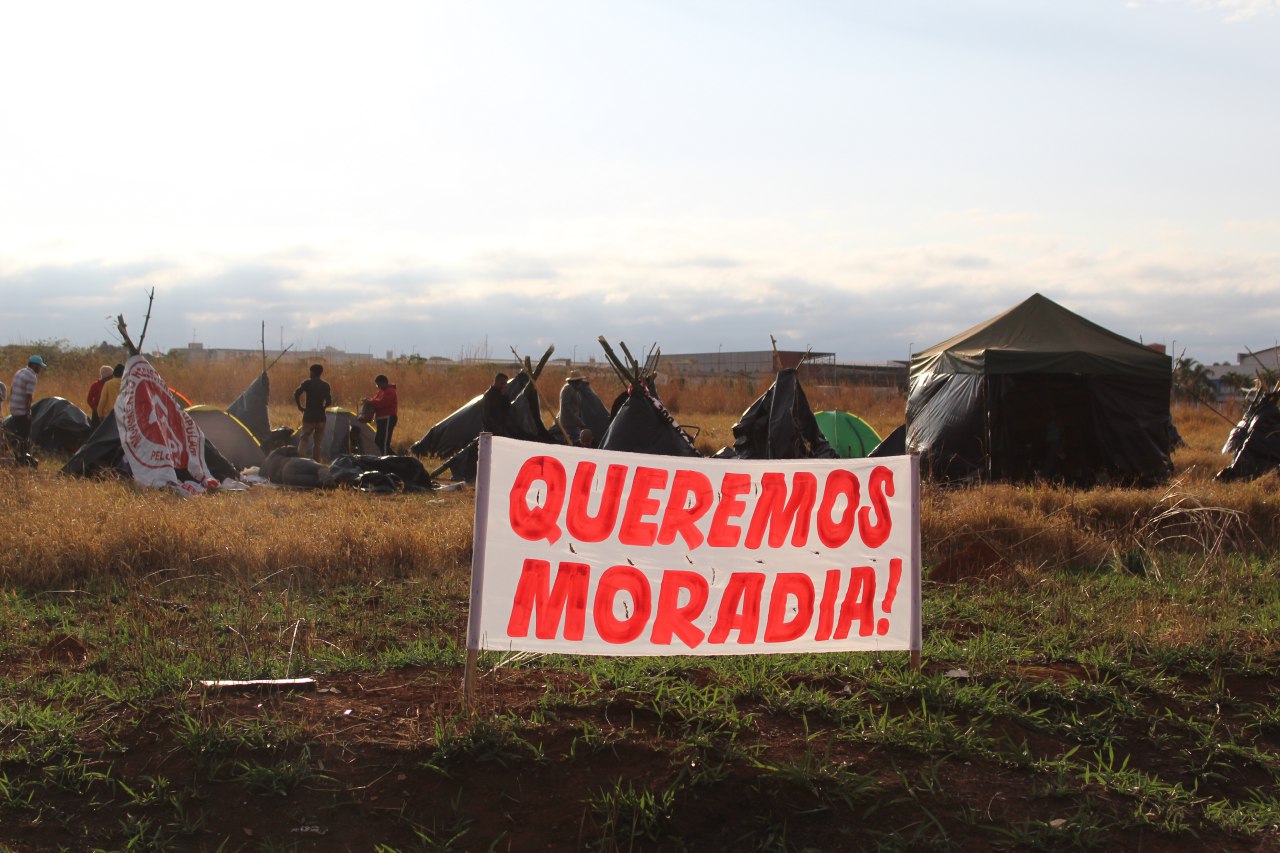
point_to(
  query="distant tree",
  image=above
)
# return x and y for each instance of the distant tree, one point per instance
(1238, 381)
(1191, 380)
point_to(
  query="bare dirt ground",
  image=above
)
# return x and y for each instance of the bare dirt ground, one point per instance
(390, 761)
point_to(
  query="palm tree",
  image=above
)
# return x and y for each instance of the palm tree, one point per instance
(1191, 380)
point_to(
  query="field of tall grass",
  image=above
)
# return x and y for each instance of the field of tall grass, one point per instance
(1098, 669)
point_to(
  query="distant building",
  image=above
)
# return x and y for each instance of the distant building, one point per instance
(1248, 365)
(752, 362)
(197, 352)
(820, 368)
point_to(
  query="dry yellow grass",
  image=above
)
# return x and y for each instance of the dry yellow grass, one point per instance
(62, 532)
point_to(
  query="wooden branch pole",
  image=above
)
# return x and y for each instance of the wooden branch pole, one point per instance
(151, 298)
(527, 367)
(469, 681)
(447, 462)
(124, 335)
(275, 360)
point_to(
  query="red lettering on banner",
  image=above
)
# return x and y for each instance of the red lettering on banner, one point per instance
(670, 618)
(788, 586)
(566, 600)
(635, 531)
(890, 593)
(739, 608)
(578, 519)
(835, 532)
(723, 534)
(859, 603)
(827, 608)
(537, 521)
(777, 511)
(879, 488)
(616, 580)
(681, 519)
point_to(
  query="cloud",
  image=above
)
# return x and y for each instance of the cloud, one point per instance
(1233, 10)
(861, 303)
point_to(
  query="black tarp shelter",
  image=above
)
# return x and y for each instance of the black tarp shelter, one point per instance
(250, 408)
(461, 427)
(779, 425)
(1041, 391)
(58, 425)
(641, 424)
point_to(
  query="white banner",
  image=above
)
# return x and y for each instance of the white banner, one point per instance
(598, 552)
(158, 437)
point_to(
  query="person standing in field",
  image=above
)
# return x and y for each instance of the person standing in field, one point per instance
(495, 416)
(570, 414)
(385, 407)
(24, 391)
(95, 393)
(318, 398)
(107, 395)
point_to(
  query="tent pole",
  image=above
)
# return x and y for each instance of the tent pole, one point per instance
(986, 416)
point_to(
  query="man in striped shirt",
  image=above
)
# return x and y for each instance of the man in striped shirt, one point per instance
(22, 392)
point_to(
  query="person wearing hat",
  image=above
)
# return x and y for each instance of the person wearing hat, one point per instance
(385, 408)
(95, 394)
(22, 393)
(570, 414)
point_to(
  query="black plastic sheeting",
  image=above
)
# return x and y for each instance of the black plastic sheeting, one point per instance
(1255, 441)
(779, 425)
(102, 453)
(594, 414)
(457, 429)
(461, 427)
(58, 425)
(642, 425)
(893, 444)
(403, 473)
(250, 408)
(1113, 428)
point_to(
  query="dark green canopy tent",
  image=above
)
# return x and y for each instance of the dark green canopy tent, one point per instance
(1041, 391)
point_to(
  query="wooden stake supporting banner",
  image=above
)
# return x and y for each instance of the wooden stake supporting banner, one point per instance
(469, 681)
(480, 540)
(915, 660)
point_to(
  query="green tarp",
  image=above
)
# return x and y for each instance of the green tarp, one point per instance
(850, 435)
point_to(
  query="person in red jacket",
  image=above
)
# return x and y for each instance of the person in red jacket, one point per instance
(385, 408)
(95, 392)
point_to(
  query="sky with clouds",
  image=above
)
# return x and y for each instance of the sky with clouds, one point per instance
(456, 178)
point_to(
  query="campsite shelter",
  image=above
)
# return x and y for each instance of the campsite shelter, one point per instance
(641, 424)
(456, 432)
(250, 408)
(232, 438)
(345, 433)
(850, 436)
(58, 425)
(594, 414)
(779, 425)
(996, 401)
